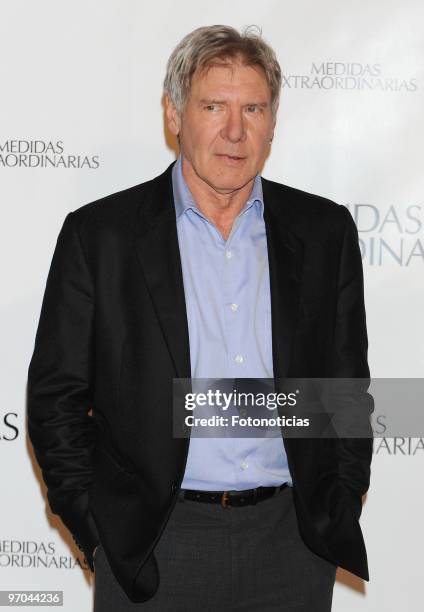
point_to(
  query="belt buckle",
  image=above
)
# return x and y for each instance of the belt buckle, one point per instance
(224, 499)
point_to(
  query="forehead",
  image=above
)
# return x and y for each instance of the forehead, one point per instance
(229, 78)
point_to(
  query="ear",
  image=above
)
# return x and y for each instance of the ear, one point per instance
(172, 116)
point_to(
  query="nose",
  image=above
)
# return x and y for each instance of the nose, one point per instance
(234, 128)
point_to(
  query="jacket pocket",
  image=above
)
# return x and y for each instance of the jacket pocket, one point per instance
(109, 465)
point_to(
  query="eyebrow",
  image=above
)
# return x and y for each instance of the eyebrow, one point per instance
(213, 101)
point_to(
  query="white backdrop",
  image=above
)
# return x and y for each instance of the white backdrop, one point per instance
(84, 78)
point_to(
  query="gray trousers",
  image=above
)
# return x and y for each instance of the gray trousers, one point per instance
(250, 559)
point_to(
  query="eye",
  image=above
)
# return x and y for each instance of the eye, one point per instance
(212, 107)
(252, 108)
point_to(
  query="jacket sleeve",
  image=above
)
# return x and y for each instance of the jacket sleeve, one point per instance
(60, 390)
(353, 404)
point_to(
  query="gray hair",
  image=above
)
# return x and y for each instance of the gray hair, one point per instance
(210, 44)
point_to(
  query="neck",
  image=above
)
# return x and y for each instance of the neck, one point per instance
(219, 207)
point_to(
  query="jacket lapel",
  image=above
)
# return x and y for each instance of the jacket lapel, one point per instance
(159, 256)
(285, 258)
(158, 252)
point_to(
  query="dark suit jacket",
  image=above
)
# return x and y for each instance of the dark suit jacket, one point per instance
(113, 334)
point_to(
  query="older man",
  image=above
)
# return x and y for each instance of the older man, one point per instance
(207, 271)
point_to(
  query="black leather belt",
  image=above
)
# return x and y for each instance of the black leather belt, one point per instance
(232, 498)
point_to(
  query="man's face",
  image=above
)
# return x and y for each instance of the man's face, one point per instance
(226, 126)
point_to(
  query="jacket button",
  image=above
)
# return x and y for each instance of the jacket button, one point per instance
(174, 487)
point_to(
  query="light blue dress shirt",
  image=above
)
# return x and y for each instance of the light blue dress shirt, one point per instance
(227, 294)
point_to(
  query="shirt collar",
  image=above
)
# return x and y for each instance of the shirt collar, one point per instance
(183, 199)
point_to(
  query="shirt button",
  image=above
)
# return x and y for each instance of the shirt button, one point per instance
(234, 307)
(244, 465)
(228, 254)
(238, 359)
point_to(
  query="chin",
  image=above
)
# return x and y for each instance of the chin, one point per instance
(227, 185)
(227, 180)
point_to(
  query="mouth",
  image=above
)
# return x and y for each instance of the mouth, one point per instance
(231, 158)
